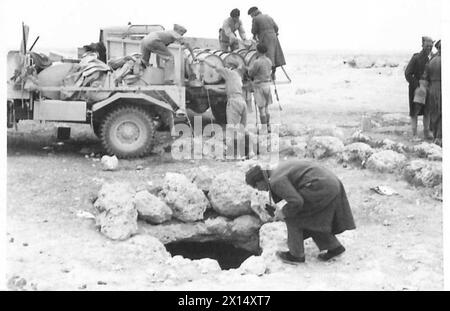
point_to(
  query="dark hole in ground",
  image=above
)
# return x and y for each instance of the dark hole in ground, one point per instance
(227, 255)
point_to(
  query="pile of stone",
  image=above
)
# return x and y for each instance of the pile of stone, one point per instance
(201, 207)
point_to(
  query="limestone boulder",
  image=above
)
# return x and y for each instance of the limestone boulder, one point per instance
(207, 266)
(187, 201)
(151, 208)
(258, 203)
(202, 177)
(324, 146)
(182, 269)
(117, 218)
(356, 153)
(254, 265)
(109, 163)
(423, 173)
(245, 225)
(144, 248)
(388, 144)
(273, 238)
(427, 150)
(386, 161)
(220, 226)
(229, 194)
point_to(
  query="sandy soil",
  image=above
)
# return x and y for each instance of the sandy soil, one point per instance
(397, 244)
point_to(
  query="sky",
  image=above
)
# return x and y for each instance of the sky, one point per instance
(359, 25)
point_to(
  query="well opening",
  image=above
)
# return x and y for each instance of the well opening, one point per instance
(227, 255)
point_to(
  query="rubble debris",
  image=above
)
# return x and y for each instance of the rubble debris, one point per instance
(186, 200)
(109, 163)
(423, 173)
(324, 146)
(151, 208)
(356, 153)
(207, 265)
(360, 137)
(230, 195)
(145, 248)
(386, 161)
(118, 215)
(388, 144)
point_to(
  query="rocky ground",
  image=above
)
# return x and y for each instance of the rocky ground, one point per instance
(53, 243)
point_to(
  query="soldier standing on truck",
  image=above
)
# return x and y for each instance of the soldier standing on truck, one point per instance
(157, 42)
(227, 34)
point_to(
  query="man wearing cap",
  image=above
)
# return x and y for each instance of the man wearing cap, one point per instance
(316, 206)
(265, 30)
(413, 73)
(227, 34)
(157, 42)
(260, 71)
(432, 74)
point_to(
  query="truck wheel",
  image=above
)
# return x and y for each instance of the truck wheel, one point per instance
(127, 132)
(97, 128)
(219, 111)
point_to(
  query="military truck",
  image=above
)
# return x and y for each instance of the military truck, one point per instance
(127, 118)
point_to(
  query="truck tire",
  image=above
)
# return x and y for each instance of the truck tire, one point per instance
(219, 111)
(127, 132)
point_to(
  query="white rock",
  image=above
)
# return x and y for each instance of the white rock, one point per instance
(118, 215)
(359, 136)
(109, 163)
(259, 199)
(386, 161)
(356, 153)
(151, 208)
(186, 200)
(245, 225)
(146, 248)
(253, 265)
(427, 150)
(273, 237)
(230, 195)
(423, 173)
(182, 269)
(202, 177)
(324, 146)
(207, 265)
(218, 225)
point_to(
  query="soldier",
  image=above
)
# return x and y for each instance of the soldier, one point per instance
(260, 71)
(157, 42)
(316, 206)
(265, 30)
(227, 34)
(413, 73)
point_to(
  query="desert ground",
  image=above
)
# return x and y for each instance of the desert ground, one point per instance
(397, 244)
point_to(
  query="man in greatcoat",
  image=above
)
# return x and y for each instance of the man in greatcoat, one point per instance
(413, 73)
(316, 206)
(265, 30)
(432, 74)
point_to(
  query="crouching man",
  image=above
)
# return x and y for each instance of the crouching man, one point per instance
(316, 207)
